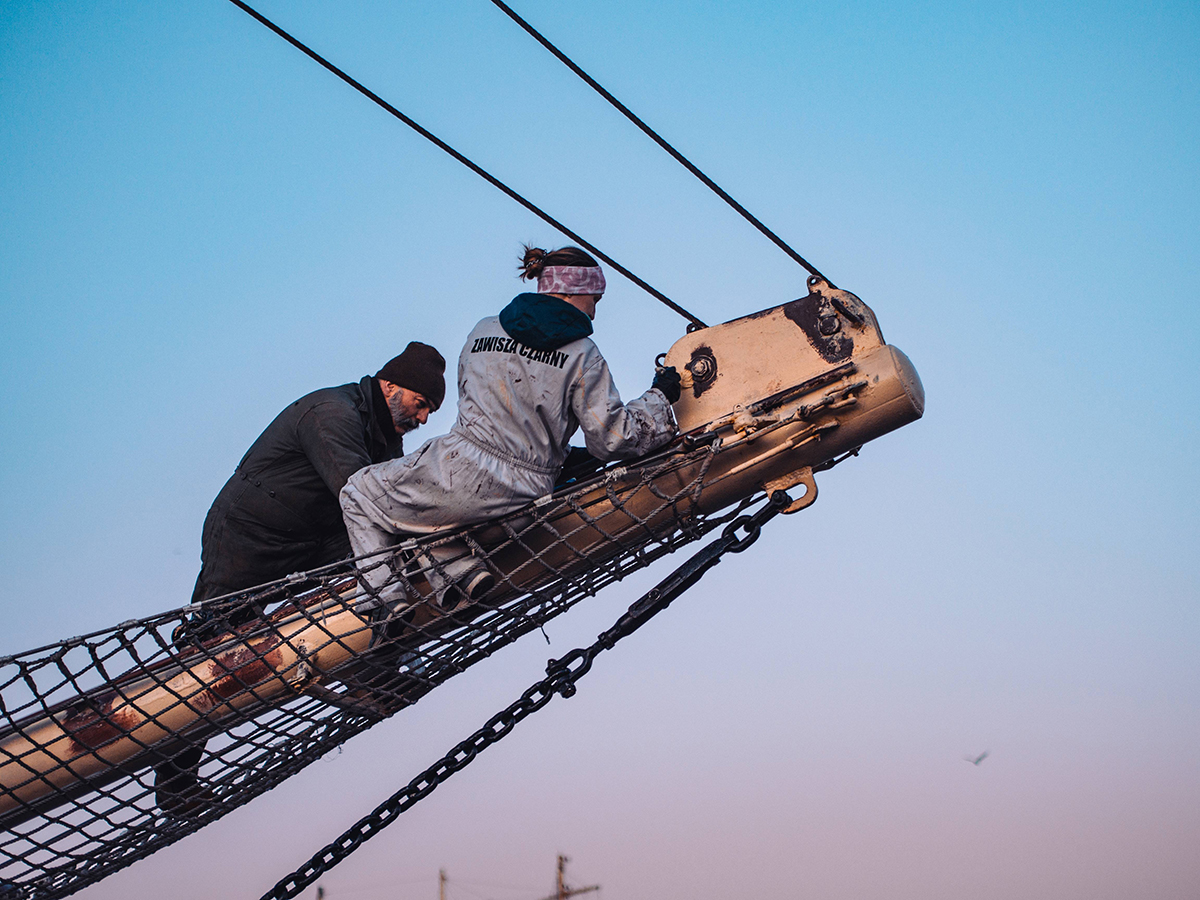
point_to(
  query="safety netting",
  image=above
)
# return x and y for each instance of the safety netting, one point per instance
(118, 743)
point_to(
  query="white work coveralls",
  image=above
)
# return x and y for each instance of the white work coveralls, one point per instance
(517, 410)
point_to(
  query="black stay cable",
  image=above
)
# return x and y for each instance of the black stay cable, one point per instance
(495, 182)
(654, 136)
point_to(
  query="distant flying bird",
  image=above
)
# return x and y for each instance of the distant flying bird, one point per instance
(976, 760)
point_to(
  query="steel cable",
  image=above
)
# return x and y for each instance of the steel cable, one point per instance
(658, 139)
(482, 173)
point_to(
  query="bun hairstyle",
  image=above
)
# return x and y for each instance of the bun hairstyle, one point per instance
(535, 259)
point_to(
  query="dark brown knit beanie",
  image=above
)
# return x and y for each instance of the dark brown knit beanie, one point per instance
(419, 368)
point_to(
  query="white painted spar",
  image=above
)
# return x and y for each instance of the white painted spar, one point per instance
(780, 393)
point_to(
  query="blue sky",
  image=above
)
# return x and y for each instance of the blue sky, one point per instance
(198, 225)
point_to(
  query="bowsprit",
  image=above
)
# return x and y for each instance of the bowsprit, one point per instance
(274, 677)
(769, 400)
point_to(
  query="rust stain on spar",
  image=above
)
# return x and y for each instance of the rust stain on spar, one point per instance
(820, 315)
(228, 682)
(97, 721)
(702, 368)
(245, 667)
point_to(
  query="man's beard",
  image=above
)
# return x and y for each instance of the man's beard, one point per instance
(404, 424)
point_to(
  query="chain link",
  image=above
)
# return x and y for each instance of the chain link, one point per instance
(561, 675)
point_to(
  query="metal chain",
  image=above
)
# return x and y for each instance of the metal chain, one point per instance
(561, 676)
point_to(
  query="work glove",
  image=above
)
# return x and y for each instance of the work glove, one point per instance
(666, 379)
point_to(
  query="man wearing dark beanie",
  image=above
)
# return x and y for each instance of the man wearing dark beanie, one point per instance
(420, 369)
(279, 512)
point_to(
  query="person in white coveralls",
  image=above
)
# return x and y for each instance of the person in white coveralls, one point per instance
(527, 380)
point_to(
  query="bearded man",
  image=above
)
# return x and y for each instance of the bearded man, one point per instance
(279, 512)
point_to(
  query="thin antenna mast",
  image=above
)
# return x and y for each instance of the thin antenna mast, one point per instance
(563, 890)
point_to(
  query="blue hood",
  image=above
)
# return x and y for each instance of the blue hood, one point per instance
(544, 322)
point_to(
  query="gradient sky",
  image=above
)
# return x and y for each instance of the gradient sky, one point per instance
(198, 225)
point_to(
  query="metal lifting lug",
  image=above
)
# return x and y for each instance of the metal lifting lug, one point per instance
(802, 476)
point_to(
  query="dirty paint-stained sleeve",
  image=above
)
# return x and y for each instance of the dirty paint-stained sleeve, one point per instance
(616, 430)
(335, 442)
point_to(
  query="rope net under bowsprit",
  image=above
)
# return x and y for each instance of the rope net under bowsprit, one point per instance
(116, 744)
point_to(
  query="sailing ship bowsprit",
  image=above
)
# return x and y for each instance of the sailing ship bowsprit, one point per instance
(768, 400)
(281, 674)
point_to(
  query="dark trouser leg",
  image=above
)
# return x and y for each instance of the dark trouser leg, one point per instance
(235, 556)
(177, 789)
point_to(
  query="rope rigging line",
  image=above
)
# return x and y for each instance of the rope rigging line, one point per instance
(561, 677)
(654, 136)
(482, 173)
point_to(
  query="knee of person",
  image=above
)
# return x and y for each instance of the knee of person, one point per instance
(366, 537)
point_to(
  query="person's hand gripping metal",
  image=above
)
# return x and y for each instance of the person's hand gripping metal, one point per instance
(666, 379)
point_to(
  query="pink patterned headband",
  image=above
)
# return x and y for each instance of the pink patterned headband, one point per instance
(571, 280)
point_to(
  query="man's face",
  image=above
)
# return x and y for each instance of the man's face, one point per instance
(408, 408)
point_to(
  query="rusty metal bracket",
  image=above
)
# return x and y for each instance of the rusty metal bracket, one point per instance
(802, 476)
